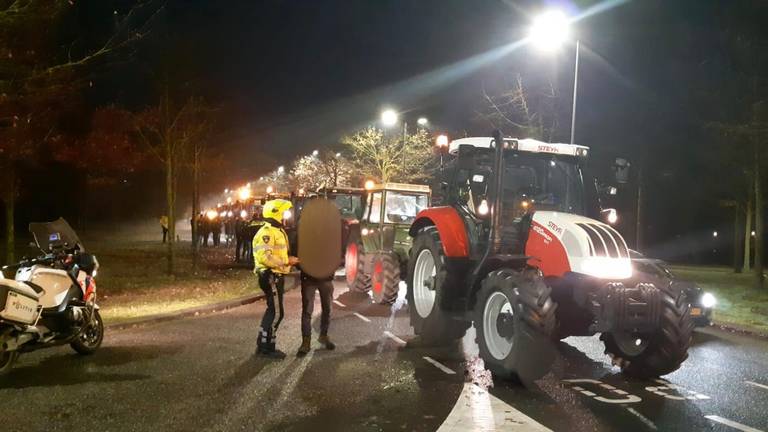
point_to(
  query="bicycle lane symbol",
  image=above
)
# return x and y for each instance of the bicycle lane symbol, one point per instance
(609, 398)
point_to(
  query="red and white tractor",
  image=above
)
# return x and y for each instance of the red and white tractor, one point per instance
(516, 248)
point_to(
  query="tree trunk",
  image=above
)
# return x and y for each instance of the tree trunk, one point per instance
(10, 210)
(171, 201)
(758, 223)
(638, 216)
(736, 240)
(195, 207)
(747, 238)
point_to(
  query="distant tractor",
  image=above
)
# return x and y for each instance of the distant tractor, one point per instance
(512, 249)
(378, 246)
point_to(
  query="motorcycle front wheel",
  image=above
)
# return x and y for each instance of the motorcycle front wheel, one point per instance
(7, 359)
(91, 337)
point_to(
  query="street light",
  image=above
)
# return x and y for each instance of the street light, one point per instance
(338, 155)
(315, 153)
(422, 121)
(548, 32)
(442, 141)
(388, 117)
(280, 169)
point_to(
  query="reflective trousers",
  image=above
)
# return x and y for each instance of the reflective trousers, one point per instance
(272, 285)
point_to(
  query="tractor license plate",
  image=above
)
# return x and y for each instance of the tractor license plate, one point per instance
(19, 308)
(695, 311)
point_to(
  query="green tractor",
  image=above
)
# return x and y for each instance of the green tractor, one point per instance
(378, 248)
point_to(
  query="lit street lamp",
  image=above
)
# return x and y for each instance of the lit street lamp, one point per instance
(548, 32)
(280, 169)
(389, 117)
(422, 121)
(315, 153)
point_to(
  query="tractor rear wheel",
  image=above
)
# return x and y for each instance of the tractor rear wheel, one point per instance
(515, 320)
(354, 267)
(385, 278)
(428, 278)
(658, 353)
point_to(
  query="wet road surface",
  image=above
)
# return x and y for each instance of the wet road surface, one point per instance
(199, 374)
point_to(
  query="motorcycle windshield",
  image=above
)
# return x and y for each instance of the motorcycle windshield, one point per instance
(55, 235)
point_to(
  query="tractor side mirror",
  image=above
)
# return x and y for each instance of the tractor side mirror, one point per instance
(621, 170)
(466, 158)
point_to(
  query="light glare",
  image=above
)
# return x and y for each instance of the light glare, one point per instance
(550, 30)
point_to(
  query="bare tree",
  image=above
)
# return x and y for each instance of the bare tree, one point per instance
(169, 132)
(389, 157)
(326, 169)
(526, 113)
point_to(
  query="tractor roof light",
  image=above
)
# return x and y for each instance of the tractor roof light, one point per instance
(369, 184)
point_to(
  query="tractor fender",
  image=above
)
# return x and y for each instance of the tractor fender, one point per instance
(450, 227)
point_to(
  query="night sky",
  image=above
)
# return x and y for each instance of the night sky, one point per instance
(291, 76)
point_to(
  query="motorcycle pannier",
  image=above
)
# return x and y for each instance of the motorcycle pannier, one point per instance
(18, 303)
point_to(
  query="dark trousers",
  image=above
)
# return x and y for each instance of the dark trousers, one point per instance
(165, 233)
(272, 285)
(308, 287)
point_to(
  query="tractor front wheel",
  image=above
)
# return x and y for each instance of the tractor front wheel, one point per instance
(651, 355)
(515, 319)
(428, 278)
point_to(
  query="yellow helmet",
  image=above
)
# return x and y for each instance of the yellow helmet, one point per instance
(277, 209)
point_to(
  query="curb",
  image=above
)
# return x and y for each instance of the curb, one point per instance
(150, 319)
(229, 304)
(743, 330)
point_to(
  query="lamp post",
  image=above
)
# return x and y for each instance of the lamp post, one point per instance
(549, 31)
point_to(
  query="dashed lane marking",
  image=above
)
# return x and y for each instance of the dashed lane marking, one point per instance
(731, 423)
(686, 394)
(440, 366)
(478, 410)
(752, 383)
(366, 319)
(642, 418)
(338, 303)
(394, 338)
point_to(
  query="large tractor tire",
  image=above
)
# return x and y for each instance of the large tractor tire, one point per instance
(355, 269)
(428, 277)
(661, 352)
(514, 321)
(385, 278)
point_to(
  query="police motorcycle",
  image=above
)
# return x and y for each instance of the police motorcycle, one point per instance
(52, 298)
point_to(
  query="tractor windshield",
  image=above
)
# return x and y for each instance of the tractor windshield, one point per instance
(543, 183)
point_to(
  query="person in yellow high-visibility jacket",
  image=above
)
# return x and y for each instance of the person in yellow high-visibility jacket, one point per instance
(271, 263)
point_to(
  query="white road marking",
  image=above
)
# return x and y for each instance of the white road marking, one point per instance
(660, 390)
(628, 398)
(440, 366)
(642, 418)
(478, 410)
(756, 384)
(361, 317)
(394, 338)
(338, 303)
(732, 424)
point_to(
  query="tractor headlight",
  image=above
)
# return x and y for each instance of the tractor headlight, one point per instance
(607, 268)
(483, 209)
(708, 300)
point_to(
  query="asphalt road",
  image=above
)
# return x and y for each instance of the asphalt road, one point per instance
(198, 374)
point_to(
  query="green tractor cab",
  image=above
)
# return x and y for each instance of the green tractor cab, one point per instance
(378, 248)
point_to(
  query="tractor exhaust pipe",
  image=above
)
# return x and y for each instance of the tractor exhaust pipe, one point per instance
(495, 199)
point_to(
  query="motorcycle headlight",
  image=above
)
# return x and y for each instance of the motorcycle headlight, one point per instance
(708, 300)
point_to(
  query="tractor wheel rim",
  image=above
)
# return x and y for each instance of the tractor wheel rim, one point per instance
(496, 305)
(630, 345)
(423, 296)
(350, 263)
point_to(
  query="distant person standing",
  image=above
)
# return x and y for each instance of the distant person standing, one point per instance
(164, 226)
(272, 263)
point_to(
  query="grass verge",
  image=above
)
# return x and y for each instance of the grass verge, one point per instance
(738, 303)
